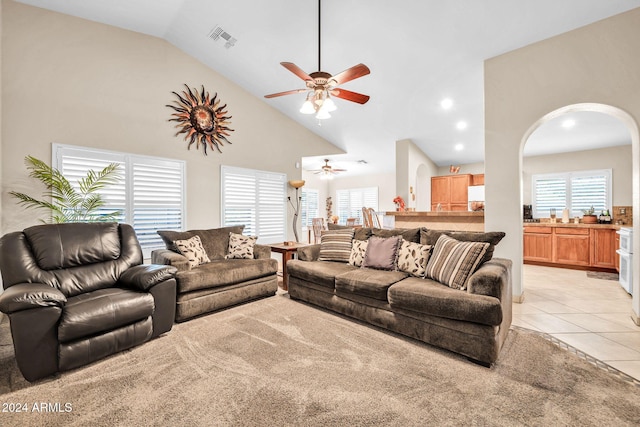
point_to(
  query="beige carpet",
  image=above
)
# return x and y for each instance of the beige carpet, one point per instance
(278, 362)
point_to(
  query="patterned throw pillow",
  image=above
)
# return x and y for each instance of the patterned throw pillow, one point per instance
(240, 246)
(193, 250)
(358, 249)
(452, 262)
(335, 245)
(413, 257)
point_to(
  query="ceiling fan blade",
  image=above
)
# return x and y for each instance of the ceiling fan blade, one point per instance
(296, 70)
(350, 96)
(289, 92)
(350, 74)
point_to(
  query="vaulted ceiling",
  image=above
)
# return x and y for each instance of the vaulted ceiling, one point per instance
(419, 52)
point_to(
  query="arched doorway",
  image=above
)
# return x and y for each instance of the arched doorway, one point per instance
(632, 126)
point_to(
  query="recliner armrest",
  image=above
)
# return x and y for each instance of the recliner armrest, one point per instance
(25, 296)
(144, 277)
(167, 257)
(261, 252)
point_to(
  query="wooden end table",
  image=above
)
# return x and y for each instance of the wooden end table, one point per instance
(288, 252)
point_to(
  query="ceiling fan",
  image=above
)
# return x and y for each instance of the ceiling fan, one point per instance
(327, 171)
(322, 85)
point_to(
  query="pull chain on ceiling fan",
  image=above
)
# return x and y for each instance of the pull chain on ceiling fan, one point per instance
(322, 85)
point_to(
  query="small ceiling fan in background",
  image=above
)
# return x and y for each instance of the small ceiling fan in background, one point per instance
(326, 171)
(321, 86)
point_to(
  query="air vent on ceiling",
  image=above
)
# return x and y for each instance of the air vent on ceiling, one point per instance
(218, 33)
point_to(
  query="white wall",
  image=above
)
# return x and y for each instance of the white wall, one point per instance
(413, 169)
(616, 158)
(472, 168)
(77, 82)
(593, 64)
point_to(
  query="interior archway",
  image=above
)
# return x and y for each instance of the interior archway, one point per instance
(632, 126)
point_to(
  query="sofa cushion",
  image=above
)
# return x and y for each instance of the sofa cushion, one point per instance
(224, 272)
(358, 250)
(452, 262)
(430, 297)
(192, 250)
(360, 233)
(413, 257)
(322, 273)
(409, 234)
(215, 240)
(382, 252)
(240, 247)
(368, 282)
(103, 310)
(335, 245)
(430, 237)
(69, 245)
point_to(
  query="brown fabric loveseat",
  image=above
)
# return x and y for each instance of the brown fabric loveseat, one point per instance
(221, 282)
(473, 322)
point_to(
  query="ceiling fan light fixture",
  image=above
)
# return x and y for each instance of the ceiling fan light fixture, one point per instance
(307, 107)
(329, 105)
(323, 114)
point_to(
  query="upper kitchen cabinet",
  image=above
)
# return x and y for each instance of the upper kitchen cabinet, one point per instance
(451, 191)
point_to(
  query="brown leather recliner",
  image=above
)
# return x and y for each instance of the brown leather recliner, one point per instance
(78, 292)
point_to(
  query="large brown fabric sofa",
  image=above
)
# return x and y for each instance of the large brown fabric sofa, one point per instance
(473, 322)
(221, 282)
(78, 292)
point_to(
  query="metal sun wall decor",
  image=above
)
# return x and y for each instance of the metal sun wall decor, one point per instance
(201, 118)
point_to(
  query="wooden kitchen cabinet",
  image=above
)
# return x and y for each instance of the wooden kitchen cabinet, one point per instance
(538, 244)
(477, 179)
(571, 246)
(580, 247)
(451, 192)
(617, 256)
(603, 242)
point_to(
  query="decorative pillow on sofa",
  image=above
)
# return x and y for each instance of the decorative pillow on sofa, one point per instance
(452, 262)
(193, 250)
(335, 245)
(358, 249)
(430, 237)
(382, 252)
(240, 246)
(413, 257)
(214, 240)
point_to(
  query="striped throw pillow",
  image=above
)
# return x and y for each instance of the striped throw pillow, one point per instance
(452, 262)
(335, 245)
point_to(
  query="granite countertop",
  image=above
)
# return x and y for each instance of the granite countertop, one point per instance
(573, 225)
(437, 214)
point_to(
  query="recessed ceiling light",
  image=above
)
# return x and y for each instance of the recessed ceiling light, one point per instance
(459, 147)
(568, 124)
(446, 103)
(461, 125)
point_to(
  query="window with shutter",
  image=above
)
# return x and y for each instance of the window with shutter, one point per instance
(349, 202)
(255, 199)
(310, 206)
(150, 194)
(574, 190)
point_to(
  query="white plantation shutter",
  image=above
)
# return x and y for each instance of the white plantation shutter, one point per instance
(157, 198)
(575, 190)
(150, 194)
(351, 201)
(310, 206)
(255, 199)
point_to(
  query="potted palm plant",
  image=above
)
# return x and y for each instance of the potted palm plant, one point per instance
(63, 201)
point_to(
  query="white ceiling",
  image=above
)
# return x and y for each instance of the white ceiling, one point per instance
(419, 52)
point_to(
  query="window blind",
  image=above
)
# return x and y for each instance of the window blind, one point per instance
(149, 196)
(576, 190)
(349, 202)
(255, 199)
(310, 206)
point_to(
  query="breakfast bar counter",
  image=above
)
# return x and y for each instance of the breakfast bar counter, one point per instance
(451, 220)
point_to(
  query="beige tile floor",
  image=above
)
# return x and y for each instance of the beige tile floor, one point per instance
(592, 315)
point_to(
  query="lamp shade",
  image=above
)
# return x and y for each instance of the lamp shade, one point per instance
(296, 183)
